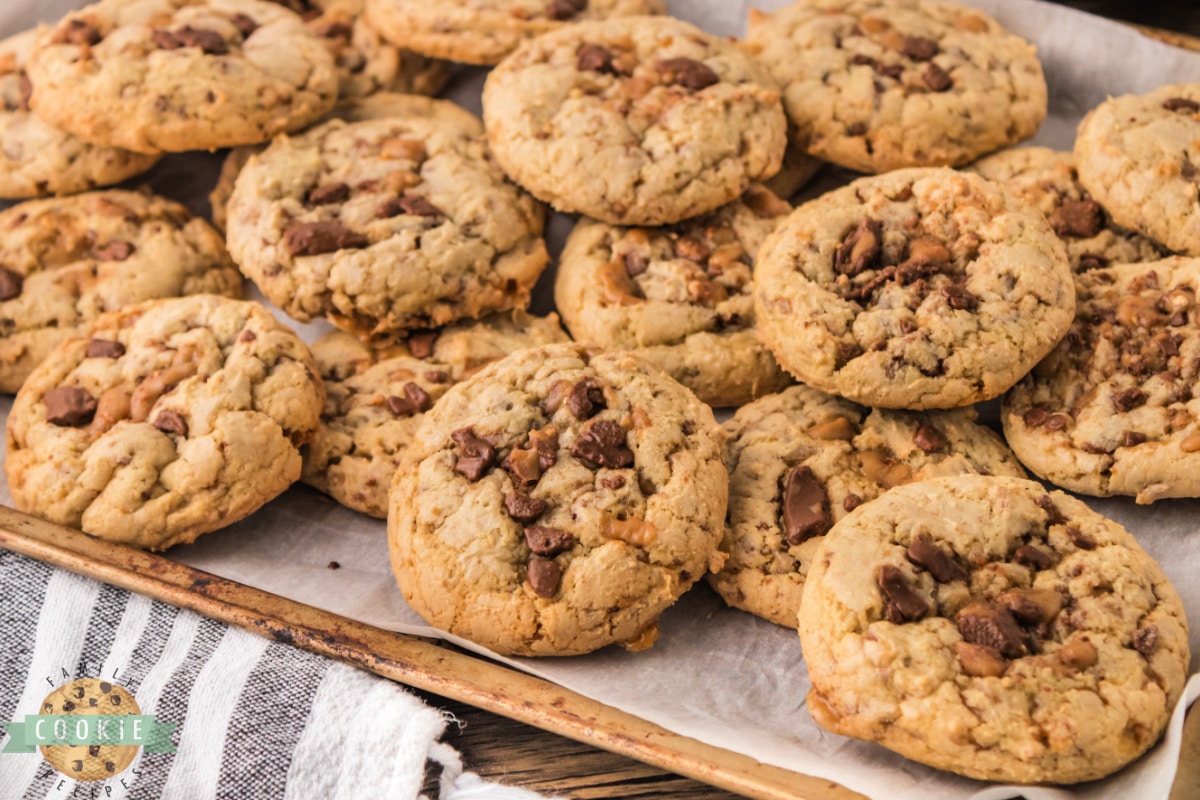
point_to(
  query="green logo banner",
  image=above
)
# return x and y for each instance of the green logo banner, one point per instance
(71, 729)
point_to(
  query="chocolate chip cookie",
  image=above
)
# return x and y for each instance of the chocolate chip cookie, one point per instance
(984, 626)
(634, 121)
(1139, 156)
(922, 288)
(90, 697)
(485, 31)
(64, 261)
(167, 420)
(375, 399)
(801, 460)
(680, 297)
(1111, 409)
(558, 502)
(39, 159)
(385, 226)
(875, 85)
(173, 75)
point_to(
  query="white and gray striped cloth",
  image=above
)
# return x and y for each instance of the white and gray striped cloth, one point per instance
(256, 718)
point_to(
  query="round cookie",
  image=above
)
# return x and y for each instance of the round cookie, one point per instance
(38, 159)
(1111, 410)
(64, 261)
(681, 120)
(173, 75)
(1048, 181)
(374, 400)
(557, 502)
(876, 85)
(1139, 156)
(679, 297)
(485, 31)
(384, 226)
(90, 697)
(801, 460)
(168, 420)
(1013, 635)
(922, 288)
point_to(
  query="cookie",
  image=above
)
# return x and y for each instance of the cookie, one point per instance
(485, 31)
(167, 420)
(1013, 635)
(557, 502)
(1110, 411)
(172, 75)
(64, 261)
(38, 159)
(1139, 156)
(801, 460)
(384, 226)
(922, 288)
(375, 399)
(679, 297)
(634, 121)
(876, 85)
(1047, 180)
(797, 170)
(90, 697)
(381, 105)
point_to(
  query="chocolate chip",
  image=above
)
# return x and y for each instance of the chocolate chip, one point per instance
(635, 263)
(959, 298)
(856, 129)
(333, 565)
(1129, 399)
(315, 238)
(688, 73)
(169, 421)
(613, 482)
(862, 59)
(930, 440)
(920, 48)
(93, 750)
(586, 399)
(1054, 515)
(244, 23)
(937, 78)
(805, 506)
(924, 552)
(11, 284)
(105, 687)
(420, 343)
(564, 9)
(595, 58)
(545, 541)
(859, 249)
(602, 444)
(25, 87)
(437, 376)
(523, 508)
(848, 351)
(1029, 556)
(1090, 261)
(328, 193)
(69, 406)
(117, 250)
(893, 71)
(545, 576)
(1132, 439)
(900, 603)
(411, 204)
(104, 348)
(165, 40)
(851, 502)
(522, 465)
(208, 41)
(992, 627)
(1181, 104)
(68, 706)
(1056, 422)
(475, 456)
(1080, 539)
(1078, 219)
(415, 401)
(1035, 417)
(77, 31)
(1145, 640)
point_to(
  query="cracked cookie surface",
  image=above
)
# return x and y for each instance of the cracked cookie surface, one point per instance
(984, 626)
(1111, 409)
(558, 502)
(634, 121)
(801, 460)
(922, 288)
(64, 261)
(384, 226)
(165, 421)
(680, 297)
(876, 85)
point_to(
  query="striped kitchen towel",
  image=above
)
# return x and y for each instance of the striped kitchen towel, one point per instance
(253, 718)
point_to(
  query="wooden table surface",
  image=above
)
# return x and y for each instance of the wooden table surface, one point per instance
(519, 755)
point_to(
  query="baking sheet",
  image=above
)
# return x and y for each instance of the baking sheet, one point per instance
(718, 675)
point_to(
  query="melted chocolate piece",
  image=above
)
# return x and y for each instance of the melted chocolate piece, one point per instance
(475, 456)
(602, 444)
(805, 506)
(900, 603)
(925, 553)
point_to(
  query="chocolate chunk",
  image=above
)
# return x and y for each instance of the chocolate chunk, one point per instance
(415, 401)
(930, 440)
(105, 687)
(169, 421)
(900, 603)
(69, 406)
(848, 351)
(77, 31)
(523, 508)
(1056, 422)
(1181, 104)
(104, 348)
(594, 58)
(545, 541)
(1078, 219)
(586, 399)
(315, 238)
(1129, 399)
(688, 73)
(244, 23)
(25, 87)
(920, 48)
(924, 552)
(856, 129)
(93, 749)
(1054, 515)
(602, 444)
(165, 40)
(564, 9)
(1029, 556)
(545, 576)
(635, 263)
(437, 376)
(893, 71)
(11, 284)
(992, 627)
(117, 250)
(1145, 640)
(333, 565)
(420, 343)
(1080, 539)
(960, 298)
(1132, 439)
(851, 502)
(328, 193)
(522, 465)
(859, 249)
(1035, 417)
(475, 456)
(545, 441)
(805, 506)
(208, 41)
(68, 705)
(412, 204)
(937, 78)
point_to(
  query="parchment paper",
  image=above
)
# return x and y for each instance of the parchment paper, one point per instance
(718, 675)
